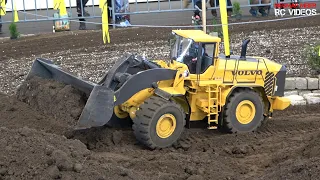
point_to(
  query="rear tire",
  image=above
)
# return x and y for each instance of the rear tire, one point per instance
(158, 123)
(243, 111)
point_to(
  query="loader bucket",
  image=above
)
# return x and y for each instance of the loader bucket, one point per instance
(99, 107)
(46, 69)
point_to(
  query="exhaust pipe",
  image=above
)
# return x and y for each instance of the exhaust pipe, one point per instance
(244, 48)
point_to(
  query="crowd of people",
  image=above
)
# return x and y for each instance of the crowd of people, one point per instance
(123, 6)
(254, 10)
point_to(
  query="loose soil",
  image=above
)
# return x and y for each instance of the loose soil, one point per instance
(39, 142)
(37, 117)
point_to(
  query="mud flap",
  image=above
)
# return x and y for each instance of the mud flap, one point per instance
(98, 109)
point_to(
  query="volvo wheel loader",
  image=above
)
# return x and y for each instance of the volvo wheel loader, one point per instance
(159, 98)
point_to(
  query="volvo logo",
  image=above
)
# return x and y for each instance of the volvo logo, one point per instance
(247, 72)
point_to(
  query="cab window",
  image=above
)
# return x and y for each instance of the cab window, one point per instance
(208, 55)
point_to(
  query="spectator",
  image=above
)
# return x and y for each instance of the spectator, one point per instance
(214, 11)
(122, 6)
(2, 9)
(85, 13)
(212, 4)
(195, 2)
(109, 10)
(261, 9)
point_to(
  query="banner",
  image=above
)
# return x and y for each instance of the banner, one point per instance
(61, 5)
(3, 10)
(105, 21)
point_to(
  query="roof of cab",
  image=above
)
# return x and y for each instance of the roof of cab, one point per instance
(197, 35)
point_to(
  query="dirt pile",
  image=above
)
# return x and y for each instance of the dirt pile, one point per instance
(312, 149)
(44, 105)
(16, 114)
(30, 154)
(62, 102)
(37, 144)
(298, 162)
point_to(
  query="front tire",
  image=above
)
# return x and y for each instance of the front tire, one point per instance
(243, 111)
(158, 123)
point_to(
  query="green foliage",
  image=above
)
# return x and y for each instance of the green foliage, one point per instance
(13, 31)
(217, 29)
(236, 9)
(313, 56)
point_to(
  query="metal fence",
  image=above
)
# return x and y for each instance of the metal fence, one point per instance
(42, 10)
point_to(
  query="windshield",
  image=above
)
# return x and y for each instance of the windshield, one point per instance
(180, 48)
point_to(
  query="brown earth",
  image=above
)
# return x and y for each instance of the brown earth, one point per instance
(37, 140)
(287, 146)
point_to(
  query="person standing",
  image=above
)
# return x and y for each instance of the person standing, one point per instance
(2, 9)
(212, 4)
(216, 2)
(261, 9)
(81, 8)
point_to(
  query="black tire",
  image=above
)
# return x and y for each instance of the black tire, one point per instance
(231, 123)
(145, 122)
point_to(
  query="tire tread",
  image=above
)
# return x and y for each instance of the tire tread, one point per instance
(227, 126)
(144, 116)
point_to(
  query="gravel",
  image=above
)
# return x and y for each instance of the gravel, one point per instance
(284, 46)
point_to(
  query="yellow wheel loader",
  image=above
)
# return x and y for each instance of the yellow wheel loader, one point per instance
(159, 98)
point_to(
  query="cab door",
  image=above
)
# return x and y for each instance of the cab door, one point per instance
(207, 57)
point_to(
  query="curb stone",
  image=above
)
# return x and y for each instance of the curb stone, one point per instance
(302, 90)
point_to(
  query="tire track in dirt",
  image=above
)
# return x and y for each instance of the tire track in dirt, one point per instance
(280, 139)
(101, 138)
(278, 126)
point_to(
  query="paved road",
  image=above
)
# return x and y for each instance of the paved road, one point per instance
(164, 18)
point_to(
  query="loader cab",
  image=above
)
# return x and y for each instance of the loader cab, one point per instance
(193, 48)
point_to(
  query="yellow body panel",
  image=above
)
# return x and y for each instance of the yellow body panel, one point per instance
(249, 74)
(132, 104)
(224, 75)
(280, 103)
(197, 35)
(176, 86)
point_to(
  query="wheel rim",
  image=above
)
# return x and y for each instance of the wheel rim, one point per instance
(245, 112)
(166, 125)
(119, 113)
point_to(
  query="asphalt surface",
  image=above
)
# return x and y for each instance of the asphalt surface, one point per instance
(163, 18)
